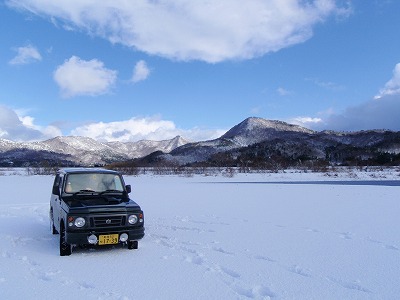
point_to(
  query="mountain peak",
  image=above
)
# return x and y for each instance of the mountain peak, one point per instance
(179, 141)
(76, 142)
(255, 122)
(257, 128)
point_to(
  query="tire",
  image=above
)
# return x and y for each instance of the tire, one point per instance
(65, 248)
(53, 228)
(133, 245)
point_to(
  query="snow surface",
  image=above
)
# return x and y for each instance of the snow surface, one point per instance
(259, 236)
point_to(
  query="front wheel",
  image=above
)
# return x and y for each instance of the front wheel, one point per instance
(65, 248)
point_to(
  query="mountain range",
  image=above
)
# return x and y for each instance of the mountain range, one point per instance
(79, 151)
(252, 142)
(257, 142)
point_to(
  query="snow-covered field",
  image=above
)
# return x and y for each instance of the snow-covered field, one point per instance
(265, 236)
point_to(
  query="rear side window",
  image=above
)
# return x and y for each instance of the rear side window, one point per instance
(57, 182)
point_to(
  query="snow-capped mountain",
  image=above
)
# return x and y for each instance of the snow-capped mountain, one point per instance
(248, 132)
(255, 130)
(78, 150)
(251, 140)
(145, 147)
(256, 137)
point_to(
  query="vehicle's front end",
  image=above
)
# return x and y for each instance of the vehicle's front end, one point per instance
(103, 226)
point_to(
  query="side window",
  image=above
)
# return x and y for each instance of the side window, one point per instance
(57, 183)
(60, 182)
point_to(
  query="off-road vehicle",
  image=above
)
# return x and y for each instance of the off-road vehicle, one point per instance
(91, 207)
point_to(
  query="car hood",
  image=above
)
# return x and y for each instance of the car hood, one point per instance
(88, 206)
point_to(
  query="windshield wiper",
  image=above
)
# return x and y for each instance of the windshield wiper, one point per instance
(83, 192)
(110, 191)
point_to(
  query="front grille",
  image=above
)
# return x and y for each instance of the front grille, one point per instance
(107, 221)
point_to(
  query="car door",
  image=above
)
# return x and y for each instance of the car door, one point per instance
(55, 201)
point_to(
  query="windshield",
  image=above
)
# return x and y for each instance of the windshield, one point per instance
(97, 182)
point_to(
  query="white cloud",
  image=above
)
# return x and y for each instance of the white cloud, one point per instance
(200, 134)
(256, 110)
(136, 129)
(392, 87)
(283, 92)
(140, 72)
(307, 122)
(17, 127)
(210, 31)
(326, 84)
(25, 55)
(77, 77)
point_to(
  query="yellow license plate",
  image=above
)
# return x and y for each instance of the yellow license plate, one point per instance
(107, 239)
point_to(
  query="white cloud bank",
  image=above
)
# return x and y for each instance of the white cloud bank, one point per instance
(381, 112)
(77, 77)
(26, 55)
(18, 127)
(135, 129)
(210, 31)
(392, 87)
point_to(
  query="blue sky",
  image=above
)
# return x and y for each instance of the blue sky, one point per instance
(132, 70)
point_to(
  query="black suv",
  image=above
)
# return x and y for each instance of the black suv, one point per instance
(92, 207)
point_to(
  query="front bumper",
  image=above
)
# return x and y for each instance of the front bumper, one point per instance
(81, 237)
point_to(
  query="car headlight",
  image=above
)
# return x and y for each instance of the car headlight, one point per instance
(132, 219)
(79, 222)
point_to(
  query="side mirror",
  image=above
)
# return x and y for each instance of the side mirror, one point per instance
(128, 188)
(56, 190)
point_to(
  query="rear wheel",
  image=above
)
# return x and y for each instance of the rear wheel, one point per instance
(65, 248)
(133, 245)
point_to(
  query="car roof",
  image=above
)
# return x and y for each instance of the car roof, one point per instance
(86, 170)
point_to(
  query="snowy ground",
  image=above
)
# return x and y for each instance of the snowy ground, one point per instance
(271, 236)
